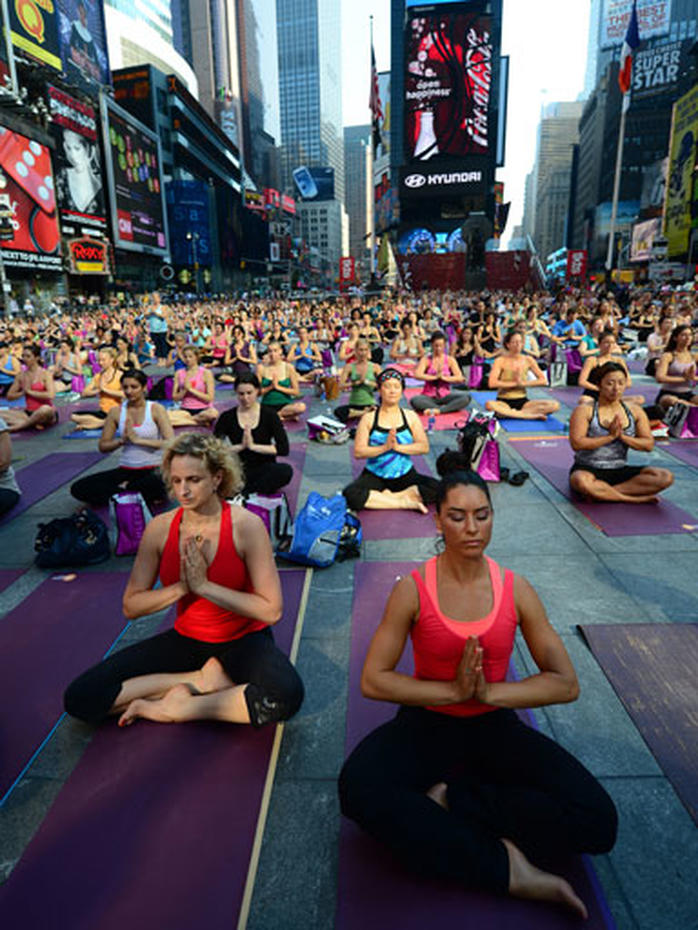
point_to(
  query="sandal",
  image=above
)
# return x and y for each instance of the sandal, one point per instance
(518, 479)
(503, 473)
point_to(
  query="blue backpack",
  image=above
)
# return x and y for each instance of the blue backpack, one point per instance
(324, 531)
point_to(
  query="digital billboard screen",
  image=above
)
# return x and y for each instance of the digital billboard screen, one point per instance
(83, 42)
(448, 78)
(29, 234)
(135, 182)
(78, 165)
(34, 30)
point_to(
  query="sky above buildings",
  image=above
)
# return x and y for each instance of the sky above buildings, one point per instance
(547, 44)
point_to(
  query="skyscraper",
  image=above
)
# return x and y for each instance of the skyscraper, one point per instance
(359, 189)
(310, 87)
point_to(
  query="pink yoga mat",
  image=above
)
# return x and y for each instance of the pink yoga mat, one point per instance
(553, 459)
(396, 524)
(374, 890)
(59, 630)
(154, 828)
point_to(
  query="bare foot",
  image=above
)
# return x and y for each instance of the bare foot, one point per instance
(413, 501)
(171, 708)
(212, 677)
(437, 793)
(526, 881)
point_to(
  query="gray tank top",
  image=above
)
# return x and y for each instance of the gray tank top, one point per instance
(615, 454)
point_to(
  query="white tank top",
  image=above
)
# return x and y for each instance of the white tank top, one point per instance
(133, 456)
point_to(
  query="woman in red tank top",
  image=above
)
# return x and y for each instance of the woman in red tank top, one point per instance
(215, 563)
(36, 384)
(456, 783)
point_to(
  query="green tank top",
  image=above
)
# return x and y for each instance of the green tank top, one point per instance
(361, 394)
(276, 398)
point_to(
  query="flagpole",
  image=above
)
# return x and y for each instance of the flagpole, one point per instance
(616, 181)
(372, 230)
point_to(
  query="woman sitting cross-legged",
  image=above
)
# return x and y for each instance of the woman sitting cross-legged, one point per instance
(36, 385)
(360, 377)
(510, 378)
(588, 377)
(257, 434)
(214, 561)
(456, 785)
(387, 438)
(440, 372)
(194, 388)
(140, 429)
(601, 434)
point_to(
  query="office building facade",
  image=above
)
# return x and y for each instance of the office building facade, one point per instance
(358, 168)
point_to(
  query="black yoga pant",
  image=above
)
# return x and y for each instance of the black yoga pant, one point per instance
(451, 403)
(505, 780)
(98, 488)
(267, 477)
(342, 413)
(357, 492)
(8, 499)
(274, 690)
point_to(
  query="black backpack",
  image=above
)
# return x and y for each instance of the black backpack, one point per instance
(81, 539)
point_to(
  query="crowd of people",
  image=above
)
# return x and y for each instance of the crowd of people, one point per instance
(455, 784)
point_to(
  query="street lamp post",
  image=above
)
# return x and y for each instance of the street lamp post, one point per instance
(194, 238)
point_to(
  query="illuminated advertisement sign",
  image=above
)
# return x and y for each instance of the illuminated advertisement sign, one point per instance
(448, 78)
(135, 182)
(88, 256)
(653, 19)
(644, 235)
(30, 236)
(83, 42)
(78, 164)
(188, 213)
(425, 182)
(682, 163)
(656, 70)
(34, 30)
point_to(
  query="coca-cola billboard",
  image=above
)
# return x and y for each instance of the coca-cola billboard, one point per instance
(448, 77)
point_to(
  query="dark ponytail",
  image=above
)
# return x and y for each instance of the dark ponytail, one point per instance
(454, 469)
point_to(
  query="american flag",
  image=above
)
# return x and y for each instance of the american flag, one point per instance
(374, 103)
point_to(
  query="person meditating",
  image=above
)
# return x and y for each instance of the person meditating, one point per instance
(141, 429)
(677, 371)
(214, 561)
(257, 435)
(106, 384)
(360, 377)
(387, 438)
(279, 384)
(194, 389)
(440, 372)
(601, 434)
(608, 351)
(456, 785)
(510, 378)
(36, 385)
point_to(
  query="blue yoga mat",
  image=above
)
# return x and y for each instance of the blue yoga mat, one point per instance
(83, 434)
(483, 396)
(551, 425)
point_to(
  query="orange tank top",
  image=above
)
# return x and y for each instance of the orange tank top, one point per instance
(438, 641)
(198, 617)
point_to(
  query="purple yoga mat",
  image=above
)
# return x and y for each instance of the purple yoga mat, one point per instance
(47, 475)
(553, 459)
(566, 395)
(396, 524)
(685, 450)
(8, 577)
(652, 667)
(376, 890)
(295, 458)
(55, 633)
(153, 828)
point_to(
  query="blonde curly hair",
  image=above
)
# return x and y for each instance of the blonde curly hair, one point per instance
(216, 455)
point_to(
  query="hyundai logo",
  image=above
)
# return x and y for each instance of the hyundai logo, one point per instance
(415, 180)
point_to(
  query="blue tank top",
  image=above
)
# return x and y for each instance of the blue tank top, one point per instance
(390, 464)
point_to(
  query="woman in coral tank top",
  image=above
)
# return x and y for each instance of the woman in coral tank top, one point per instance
(456, 784)
(215, 563)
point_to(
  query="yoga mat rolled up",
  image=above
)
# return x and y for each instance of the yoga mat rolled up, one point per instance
(374, 889)
(59, 630)
(652, 668)
(47, 475)
(153, 828)
(553, 459)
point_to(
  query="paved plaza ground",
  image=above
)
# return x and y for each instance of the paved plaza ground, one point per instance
(583, 577)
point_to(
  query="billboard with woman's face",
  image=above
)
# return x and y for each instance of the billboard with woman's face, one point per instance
(78, 165)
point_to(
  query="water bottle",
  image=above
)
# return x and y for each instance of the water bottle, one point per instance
(431, 422)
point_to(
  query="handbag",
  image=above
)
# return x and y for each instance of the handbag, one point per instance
(488, 466)
(81, 539)
(477, 443)
(558, 374)
(325, 429)
(275, 514)
(477, 369)
(130, 515)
